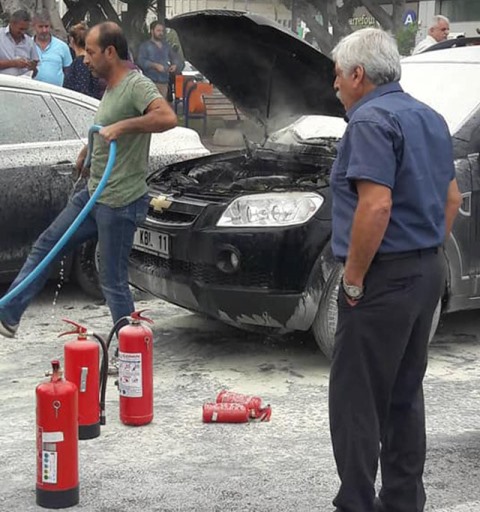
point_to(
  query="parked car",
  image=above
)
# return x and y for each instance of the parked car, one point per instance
(244, 236)
(42, 130)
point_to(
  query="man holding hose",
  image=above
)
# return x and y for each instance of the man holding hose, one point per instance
(129, 112)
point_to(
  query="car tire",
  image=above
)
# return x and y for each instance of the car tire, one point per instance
(85, 269)
(325, 322)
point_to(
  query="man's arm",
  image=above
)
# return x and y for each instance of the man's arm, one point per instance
(454, 201)
(370, 222)
(158, 117)
(14, 63)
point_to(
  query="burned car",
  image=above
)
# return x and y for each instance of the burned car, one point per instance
(244, 236)
(43, 129)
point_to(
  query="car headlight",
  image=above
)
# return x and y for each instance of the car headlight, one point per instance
(273, 209)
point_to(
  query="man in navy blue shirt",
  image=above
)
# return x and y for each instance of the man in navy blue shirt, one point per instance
(157, 58)
(395, 198)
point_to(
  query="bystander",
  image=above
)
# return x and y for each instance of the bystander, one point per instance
(54, 54)
(18, 55)
(78, 76)
(157, 59)
(395, 197)
(437, 32)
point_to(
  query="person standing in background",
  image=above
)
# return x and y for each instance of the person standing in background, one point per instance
(78, 77)
(157, 59)
(54, 54)
(437, 32)
(18, 55)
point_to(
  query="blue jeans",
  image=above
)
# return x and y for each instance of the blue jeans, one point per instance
(114, 228)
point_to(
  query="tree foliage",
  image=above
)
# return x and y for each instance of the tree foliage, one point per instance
(329, 22)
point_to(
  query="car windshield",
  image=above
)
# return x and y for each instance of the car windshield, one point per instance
(450, 88)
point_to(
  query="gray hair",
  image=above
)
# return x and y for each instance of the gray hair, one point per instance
(42, 17)
(372, 49)
(437, 19)
(20, 15)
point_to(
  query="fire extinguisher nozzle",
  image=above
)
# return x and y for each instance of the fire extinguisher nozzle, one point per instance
(103, 419)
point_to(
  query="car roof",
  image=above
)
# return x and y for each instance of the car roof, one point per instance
(28, 84)
(459, 54)
(447, 80)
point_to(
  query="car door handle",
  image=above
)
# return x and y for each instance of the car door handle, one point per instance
(64, 168)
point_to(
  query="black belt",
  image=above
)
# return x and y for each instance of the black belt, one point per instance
(387, 256)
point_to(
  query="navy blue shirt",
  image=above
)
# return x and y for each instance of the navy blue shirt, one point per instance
(396, 141)
(150, 53)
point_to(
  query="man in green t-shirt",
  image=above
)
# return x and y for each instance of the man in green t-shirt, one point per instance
(131, 109)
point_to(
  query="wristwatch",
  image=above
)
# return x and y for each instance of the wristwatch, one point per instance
(352, 291)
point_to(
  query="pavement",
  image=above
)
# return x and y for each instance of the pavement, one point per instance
(177, 463)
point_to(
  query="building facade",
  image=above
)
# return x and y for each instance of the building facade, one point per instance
(464, 15)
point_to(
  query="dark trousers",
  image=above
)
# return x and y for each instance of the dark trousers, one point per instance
(376, 395)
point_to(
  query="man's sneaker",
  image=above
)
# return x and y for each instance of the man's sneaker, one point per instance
(8, 331)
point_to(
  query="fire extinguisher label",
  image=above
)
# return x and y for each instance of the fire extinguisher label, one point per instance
(49, 467)
(130, 374)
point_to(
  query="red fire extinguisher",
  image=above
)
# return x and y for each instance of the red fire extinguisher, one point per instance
(82, 367)
(135, 371)
(252, 403)
(57, 442)
(225, 413)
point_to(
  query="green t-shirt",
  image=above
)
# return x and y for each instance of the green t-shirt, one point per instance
(130, 98)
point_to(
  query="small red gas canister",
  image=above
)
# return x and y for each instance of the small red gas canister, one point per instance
(225, 413)
(57, 442)
(252, 403)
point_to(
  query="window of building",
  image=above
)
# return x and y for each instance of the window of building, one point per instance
(459, 10)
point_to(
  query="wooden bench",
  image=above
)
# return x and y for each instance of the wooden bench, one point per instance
(219, 106)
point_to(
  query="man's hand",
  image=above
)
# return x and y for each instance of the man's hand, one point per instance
(172, 68)
(21, 63)
(112, 132)
(32, 65)
(159, 68)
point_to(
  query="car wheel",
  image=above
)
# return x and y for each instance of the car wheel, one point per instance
(325, 322)
(85, 269)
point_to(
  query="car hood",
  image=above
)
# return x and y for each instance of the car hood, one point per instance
(266, 70)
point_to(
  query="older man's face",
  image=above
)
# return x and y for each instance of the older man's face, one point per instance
(344, 86)
(440, 31)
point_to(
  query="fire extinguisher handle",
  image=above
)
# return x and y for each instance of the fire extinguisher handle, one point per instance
(137, 315)
(79, 329)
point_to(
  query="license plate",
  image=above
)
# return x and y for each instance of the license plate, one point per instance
(152, 242)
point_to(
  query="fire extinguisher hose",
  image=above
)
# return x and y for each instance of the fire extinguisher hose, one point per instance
(103, 376)
(75, 224)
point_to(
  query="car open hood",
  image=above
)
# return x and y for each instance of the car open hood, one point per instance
(266, 70)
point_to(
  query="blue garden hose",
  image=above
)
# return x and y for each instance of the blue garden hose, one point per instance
(74, 226)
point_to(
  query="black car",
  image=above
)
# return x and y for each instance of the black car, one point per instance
(244, 236)
(42, 130)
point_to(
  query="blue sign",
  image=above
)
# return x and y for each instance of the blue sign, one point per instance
(409, 17)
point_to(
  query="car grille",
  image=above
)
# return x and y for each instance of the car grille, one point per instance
(171, 217)
(180, 213)
(202, 273)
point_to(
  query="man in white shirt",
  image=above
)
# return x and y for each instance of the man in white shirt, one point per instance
(437, 32)
(18, 55)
